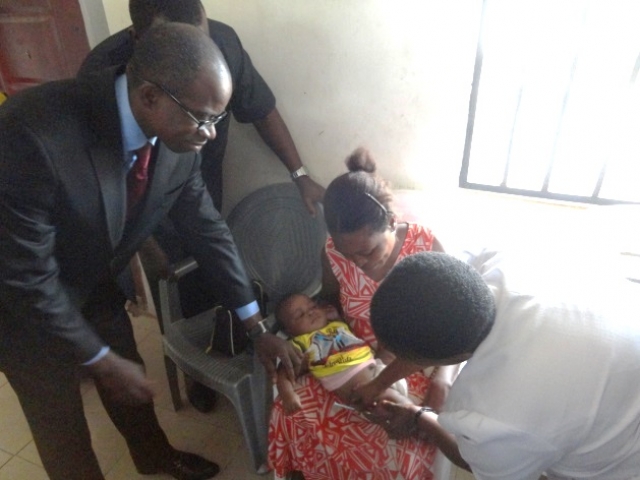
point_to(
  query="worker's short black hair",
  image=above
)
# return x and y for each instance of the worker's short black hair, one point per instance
(144, 12)
(432, 306)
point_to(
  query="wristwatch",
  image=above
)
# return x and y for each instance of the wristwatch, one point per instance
(419, 413)
(257, 330)
(301, 172)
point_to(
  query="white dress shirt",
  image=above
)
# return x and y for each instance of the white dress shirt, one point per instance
(555, 387)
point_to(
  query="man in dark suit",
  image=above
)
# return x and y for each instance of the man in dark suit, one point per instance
(69, 226)
(252, 101)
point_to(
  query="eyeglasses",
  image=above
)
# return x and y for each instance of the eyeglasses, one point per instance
(202, 125)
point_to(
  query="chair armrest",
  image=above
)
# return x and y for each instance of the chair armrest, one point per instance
(169, 295)
(181, 268)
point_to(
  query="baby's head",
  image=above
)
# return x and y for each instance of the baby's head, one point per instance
(298, 314)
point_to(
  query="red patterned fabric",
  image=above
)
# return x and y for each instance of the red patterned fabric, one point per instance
(326, 442)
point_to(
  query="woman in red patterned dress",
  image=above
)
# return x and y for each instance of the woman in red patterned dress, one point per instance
(322, 440)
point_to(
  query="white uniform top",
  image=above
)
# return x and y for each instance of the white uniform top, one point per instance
(555, 386)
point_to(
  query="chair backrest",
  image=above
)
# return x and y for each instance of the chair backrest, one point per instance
(279, 241)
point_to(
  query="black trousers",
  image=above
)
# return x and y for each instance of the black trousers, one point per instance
(48, 387)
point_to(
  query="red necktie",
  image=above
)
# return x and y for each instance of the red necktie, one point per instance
(138, 177)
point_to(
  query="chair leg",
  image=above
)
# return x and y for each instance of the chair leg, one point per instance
(243, 402)
(174, 387)
(261, 390)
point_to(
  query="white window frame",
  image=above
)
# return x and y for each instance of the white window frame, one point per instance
(481, 140)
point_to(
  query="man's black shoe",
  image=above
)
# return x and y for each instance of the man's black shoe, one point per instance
(202, 398)
(182, 466)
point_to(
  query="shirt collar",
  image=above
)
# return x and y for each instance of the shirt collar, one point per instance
(133, 137)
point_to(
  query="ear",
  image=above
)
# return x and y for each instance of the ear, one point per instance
(143, 92)
(393, 223)
(149, 95)
(145, 103)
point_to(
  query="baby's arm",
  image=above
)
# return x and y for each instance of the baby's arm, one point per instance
(290, 399)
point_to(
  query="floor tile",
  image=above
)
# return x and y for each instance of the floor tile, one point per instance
(30, 454)
(186, 433)
(222, 417)
(216, 435)
(13, 425)
(463, 475)
(19, 469)
(4, 457)
(125, 470)
(150, 348)
(241, 467)
(144, 323)
(107, 442)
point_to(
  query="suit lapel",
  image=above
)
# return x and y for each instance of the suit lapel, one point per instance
(107, 152)
(164, 165)
(109, 168)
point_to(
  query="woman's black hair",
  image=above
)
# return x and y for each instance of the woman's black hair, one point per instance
(359, 198)
(432, 306)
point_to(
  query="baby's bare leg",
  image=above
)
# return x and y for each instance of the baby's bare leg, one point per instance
(345, 393)
(360, 378)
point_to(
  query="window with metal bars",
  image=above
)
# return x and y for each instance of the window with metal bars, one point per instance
(555, 101)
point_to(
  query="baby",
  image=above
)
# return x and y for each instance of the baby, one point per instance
(333, 354)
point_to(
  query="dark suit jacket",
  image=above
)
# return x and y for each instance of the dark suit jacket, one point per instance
(62, 213)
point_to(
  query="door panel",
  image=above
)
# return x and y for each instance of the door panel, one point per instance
(40, 40)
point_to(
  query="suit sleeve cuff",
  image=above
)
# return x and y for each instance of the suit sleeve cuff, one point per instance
(248, 310)
(100, 355)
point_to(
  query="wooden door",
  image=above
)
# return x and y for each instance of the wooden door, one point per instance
(40, 41)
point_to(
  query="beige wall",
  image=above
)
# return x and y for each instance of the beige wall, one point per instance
(395, 76)
(117, 13)
(95, 21)
(390, 75)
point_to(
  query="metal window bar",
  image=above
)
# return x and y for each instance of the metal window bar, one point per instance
(544, 190)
